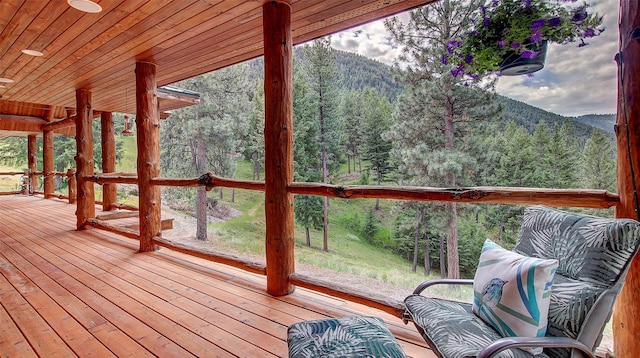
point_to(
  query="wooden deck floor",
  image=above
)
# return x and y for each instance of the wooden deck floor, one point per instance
(67, 293)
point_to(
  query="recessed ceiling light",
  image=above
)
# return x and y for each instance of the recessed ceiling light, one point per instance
(32, 52)
(85, 5)
(6, 80)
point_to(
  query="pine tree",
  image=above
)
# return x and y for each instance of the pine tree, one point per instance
(351, 113)
(322, 76)
(307, 165)
(255, 135)
(560, 160)
(599, 163)
(208, 136)
(437, 109)
(377, 122)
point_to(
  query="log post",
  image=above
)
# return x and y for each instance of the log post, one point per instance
(148, 141)
(31, 159)
(626, 318)
(84, 159)
(278, 139)
(71, 184)
(109, 190)
(47, 162)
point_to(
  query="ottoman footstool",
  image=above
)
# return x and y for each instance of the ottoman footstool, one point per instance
(343, 337)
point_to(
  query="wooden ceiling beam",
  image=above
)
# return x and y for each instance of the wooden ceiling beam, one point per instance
(21, 123)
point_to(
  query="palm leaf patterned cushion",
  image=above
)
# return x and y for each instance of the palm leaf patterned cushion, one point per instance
(356, 336)
(453, 331)
(511, 292)
(592, 253)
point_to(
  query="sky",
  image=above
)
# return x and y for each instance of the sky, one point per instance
(574, 81)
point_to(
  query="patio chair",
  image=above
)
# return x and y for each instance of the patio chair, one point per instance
(587, 259)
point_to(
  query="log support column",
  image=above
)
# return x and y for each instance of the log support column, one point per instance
(84, 159)
(31, 159)
(278, 138)
(47, 162)
(109, 190)
(148, 140)
(626, 318)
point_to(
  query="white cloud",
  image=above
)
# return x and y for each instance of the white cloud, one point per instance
(575, 81)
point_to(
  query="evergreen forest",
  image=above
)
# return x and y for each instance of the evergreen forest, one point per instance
(358, 121)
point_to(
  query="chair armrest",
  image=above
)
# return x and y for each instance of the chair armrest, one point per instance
(443, 281)
(544, 342)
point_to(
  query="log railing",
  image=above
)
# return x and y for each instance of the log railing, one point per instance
(585, 198)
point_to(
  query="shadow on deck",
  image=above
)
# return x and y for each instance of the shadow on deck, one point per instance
(65, 292)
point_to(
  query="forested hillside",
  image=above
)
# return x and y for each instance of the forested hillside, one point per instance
(356, 121)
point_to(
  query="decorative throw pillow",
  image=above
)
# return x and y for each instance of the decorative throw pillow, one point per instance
(512, 292)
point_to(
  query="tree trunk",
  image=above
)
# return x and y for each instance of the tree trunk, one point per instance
(325, 176)
(427, 258)
(443, 258)
(325, 224)
(308, 236)
(451, 208)
(416, 240)
(201, 197)
(379, 175)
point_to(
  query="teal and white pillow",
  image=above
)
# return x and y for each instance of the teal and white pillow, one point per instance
(512, 292)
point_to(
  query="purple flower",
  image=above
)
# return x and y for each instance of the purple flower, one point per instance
(468, 59)
(458, 71)
(515, 45)
(536, 37)
(529, 54)
(579, 14)
(486, 21)
(554, 22)
(536, 25)
(589, 33)
(444, 59)
(483, 9)
(502, 43)
(451, 45)
(526, 3)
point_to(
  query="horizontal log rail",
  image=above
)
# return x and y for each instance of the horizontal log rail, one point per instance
(112, 179)
(585, 198)
(10, 192)
(103, 225)
(210, 180)
(116, 216)
(13, 173)
(393, 307)
(226, 259)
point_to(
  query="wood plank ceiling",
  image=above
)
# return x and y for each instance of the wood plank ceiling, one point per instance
(98, 51)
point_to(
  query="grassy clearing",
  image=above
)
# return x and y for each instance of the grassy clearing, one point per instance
(9, 182)
(348, 252)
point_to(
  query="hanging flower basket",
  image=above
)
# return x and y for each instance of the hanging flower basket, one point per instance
(510, 36)
(516, 64)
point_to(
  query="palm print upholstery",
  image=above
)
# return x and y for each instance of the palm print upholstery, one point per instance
(593, 255)
(343, 337)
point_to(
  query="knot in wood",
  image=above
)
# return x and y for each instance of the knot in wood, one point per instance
(341, 192)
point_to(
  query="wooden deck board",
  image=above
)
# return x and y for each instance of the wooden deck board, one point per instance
(65, 292)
